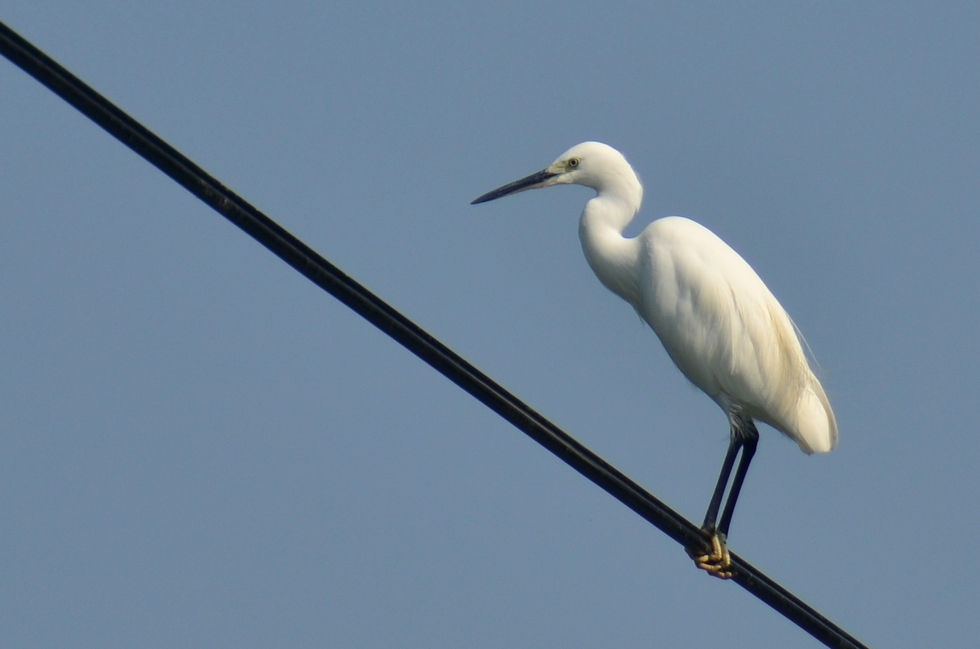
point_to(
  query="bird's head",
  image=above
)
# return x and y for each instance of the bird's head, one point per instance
(591, 164)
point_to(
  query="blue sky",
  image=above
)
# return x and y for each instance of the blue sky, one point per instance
(199, 448)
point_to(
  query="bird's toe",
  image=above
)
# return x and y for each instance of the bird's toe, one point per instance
(718, 562)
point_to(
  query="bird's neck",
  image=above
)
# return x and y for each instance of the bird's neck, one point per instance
(612, 256)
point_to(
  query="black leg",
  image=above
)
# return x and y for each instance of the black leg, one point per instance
(744, 437)
(726, 471)
(750, 439)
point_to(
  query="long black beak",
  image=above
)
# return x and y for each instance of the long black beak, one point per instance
(516, 186)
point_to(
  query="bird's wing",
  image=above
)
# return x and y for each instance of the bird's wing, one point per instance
(728, 334)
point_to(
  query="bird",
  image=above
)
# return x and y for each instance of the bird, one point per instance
(718, 322)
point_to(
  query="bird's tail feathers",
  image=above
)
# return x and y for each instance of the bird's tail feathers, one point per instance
(817, 425)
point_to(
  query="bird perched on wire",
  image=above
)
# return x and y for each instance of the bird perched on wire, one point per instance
(717, 320)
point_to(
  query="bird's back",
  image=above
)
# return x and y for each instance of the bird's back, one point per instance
(727, 333)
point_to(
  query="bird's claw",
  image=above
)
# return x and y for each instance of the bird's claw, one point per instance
(718, 562)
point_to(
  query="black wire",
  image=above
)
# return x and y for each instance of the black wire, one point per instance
(331, 279)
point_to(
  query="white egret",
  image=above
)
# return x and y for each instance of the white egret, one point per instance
(719, 323)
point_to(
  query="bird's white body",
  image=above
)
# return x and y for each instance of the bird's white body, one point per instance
(717, 320)
(724, 329)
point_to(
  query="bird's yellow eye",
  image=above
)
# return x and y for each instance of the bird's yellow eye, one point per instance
(573, 162)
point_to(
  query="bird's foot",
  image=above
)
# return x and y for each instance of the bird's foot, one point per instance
(718, 562)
